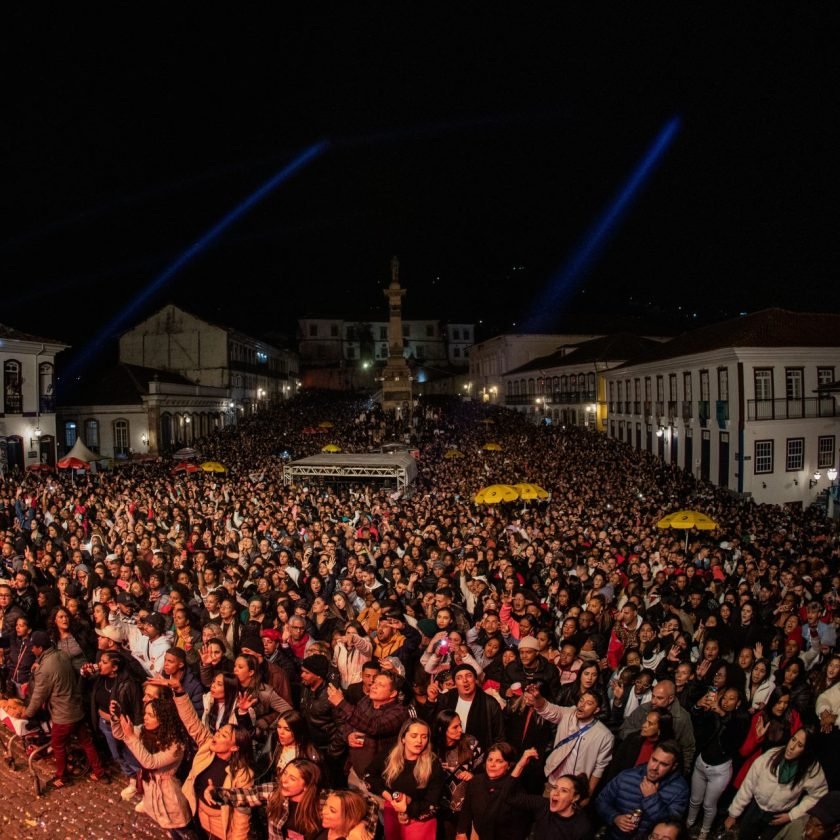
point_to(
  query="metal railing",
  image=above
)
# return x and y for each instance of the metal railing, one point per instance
(783, 409)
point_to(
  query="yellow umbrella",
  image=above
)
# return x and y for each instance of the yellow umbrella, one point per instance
(492, 447)
(213, 466)
(453, 453)
(496, 493)
(531, 491)
(687, 519)
(331, 447)
(325, 424)
(488, 422)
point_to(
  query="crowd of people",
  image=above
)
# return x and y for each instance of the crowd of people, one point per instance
(341, 659)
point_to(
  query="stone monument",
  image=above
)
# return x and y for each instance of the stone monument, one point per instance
(396, 377)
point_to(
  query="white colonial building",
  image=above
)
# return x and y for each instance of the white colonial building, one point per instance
(568, 386)
(251, 371)
(491, 358)
(27, 402)
(736, 403)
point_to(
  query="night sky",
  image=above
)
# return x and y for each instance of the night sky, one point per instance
(480, 150)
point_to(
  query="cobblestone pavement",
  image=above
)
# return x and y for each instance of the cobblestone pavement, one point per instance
(83, 811)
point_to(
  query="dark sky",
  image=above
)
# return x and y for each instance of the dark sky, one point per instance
(467, 146)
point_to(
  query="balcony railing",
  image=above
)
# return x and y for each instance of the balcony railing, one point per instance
(627, 407)
(556, 398)
(637, 407)
(13, 403)
(686, 410)
(648, 408)
(47, 403)
(672, 410)
(703, 412)
(783, 409)
(660, 408)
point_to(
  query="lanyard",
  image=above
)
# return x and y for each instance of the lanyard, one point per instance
(573, 736)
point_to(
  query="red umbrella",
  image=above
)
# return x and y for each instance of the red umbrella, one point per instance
(187, 468)
(73, 464)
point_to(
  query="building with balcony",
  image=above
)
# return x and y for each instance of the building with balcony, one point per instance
(27, 401)
(737, 403)
(568, 387)
(492, 358)
(251, 371)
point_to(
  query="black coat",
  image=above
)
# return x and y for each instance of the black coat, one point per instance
(484, 722)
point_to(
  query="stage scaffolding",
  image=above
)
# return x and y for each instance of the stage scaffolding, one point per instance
(399, 467)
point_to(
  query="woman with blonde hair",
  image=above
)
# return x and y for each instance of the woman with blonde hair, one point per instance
(348, 814)
(410, 780)
(291, 803)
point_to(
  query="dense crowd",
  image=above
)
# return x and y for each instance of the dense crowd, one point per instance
(345, 660)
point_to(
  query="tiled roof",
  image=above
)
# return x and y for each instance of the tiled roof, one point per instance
(16, 335)
(767, 328)
(607, 348)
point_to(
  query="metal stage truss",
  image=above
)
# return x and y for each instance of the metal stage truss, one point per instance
(399, 467)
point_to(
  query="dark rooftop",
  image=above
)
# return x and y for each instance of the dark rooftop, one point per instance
(119, 385)
(16, 335)
(767, 328)
(608, 348)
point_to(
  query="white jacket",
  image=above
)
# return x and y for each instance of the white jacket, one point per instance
(829, 701)
(762, 786)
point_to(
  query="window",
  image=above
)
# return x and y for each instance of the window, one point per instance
(660, 388)
(687, 387)
(704, 385)
(46, 396)
(763, 383)
(825, 451)
(420, 351)
(12, 387)
(383, 333)
(637, 384)
(334, 330)
(92, 434)
(825, 375)
(456, 334)
(793, 383)
(763, 457)
(70, 434)
(647, 389)
(795, 457)
(456, 352)
(723, 384)
(313, 331)
(406, 331)
(121, 437)
(672, 387)
(430, 331)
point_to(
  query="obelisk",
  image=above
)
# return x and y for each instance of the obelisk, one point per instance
(396, 385)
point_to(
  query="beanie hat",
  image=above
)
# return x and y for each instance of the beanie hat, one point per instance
(317, 664)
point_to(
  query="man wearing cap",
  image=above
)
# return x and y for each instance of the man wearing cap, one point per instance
(55, 684)
(532, 669)
(821, 822)
(317, 711)
(273, 675)
(147, 640)
(480, 713)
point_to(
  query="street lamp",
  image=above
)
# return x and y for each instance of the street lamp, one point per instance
(815, 479)
(832, 474)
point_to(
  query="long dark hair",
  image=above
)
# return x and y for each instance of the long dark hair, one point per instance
(242, 758)
(804, 763)
(441, 723)
(298, 727)
(228, 702)
(780, 727)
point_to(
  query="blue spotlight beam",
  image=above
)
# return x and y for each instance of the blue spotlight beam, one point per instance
(563, 284)
(302, 160)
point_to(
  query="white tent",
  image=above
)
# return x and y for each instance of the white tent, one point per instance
(81, 452)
